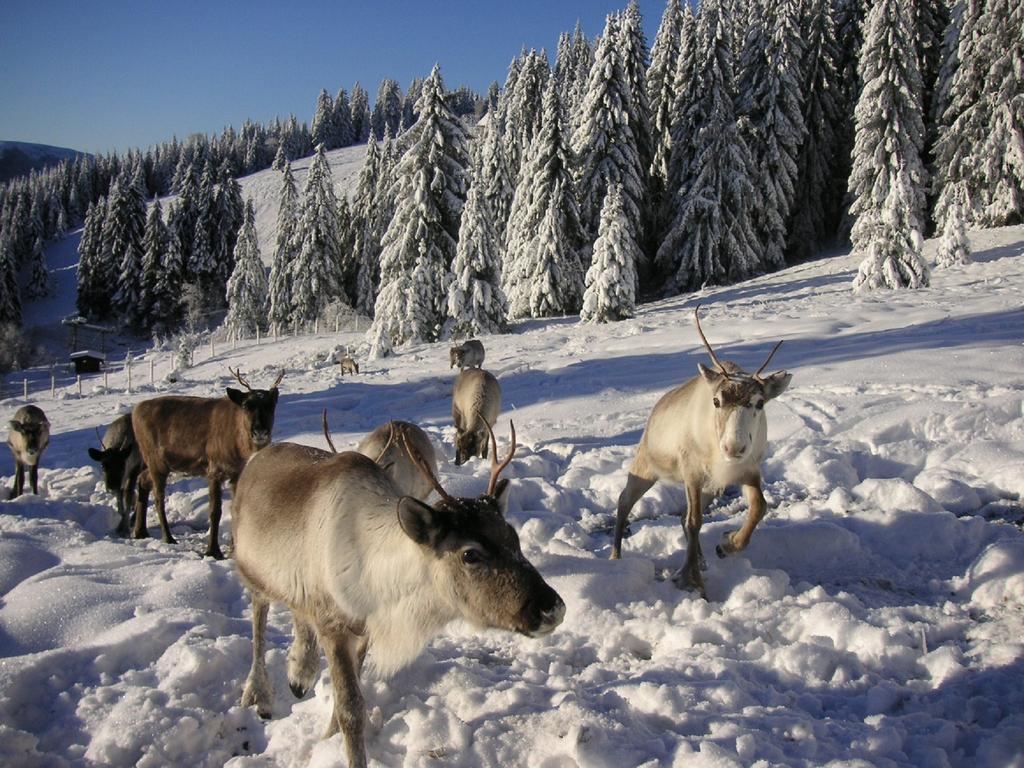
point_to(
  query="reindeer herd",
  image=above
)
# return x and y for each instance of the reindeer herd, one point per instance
(349, 542)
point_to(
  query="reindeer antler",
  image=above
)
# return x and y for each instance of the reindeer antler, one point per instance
(391, 438)
(99, 436)
(496, 468)
(327, 431)
(278, 379)
(237, 372)
(757, 374)
(419, 461)
(714, 357)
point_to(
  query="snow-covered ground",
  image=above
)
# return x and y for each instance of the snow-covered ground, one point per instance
(876, 619)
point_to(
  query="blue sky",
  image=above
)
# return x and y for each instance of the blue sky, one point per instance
(98, 75)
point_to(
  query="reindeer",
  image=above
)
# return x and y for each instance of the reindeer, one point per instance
(476, 401)
(360, 565)
(201, 436)
(470, 354)
(386, 446)
(348, 365)
(28, 438)
(708, 433)
(122, 467)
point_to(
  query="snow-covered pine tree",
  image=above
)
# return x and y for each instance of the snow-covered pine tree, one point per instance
(280, 160)
(633, 51)
(812, 220)
(849, 26)
(476, 303)
(39, 279)
(343, 129)
(583, 56)
(604, 142)
(547, 169)
(348, 259)
(387, 109)
(954, 247)
(365, 248)
(10, 301)
(1003, 152)
(229, 213)
(770, 101)
(419, 245)
(564, 62)
(523, 117)
(284, 252)
(316, 280)
(154, 252)
(247, 287)
(412, 97)
(661, 96)
(551, 292)
(166, 309)
(711, 239)
(888, 177)
(122, 233)
(610, 292)
(323, 130)
(203, 264)
(93, 278)
(359, 106)
(496, 178)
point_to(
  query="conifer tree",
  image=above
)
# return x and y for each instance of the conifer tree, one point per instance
(284, 252)
(661, 96)
(366, 240)
(361, 117)
(412, 97)
(93, 277)
(122, 233)
(547, 169)
(324, 126)
(39, 279)
(316, 279)
(770, 102)
(604, 142)
(10, 301)
(343, 120)
(229, 213)
(954, 247)
(247, 287)
(203, 262)
(583, 56)
(166, 310)
(280, 161)
(812, 218)
(550, 271)
(887, 181)
(711, 239)
(496, 178)
(476, 303)
(610, 292)
(154, 253)
(523, 117)
(632, 45)
(419, 244)
(387, 109)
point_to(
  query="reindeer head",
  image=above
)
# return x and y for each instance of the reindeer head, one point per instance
(29, 439)
(258, 406)
(469, 443)
(738, 399)
(113, 462)
(455, 355)
(487, 578)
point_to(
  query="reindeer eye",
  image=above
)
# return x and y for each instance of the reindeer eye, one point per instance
(717, 402)
(472, 556)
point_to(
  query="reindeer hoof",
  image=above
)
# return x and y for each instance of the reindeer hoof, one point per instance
(168, 539)
(214, 552)
(725, 547)
(297, 689)
(687, 581)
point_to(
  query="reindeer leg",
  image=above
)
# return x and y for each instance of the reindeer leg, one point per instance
(19, 480)
(257, 686)
(349, 714)
(33, 476)
(159, 497)
(735, 541)
(636, 487)
(303, 657)
(213, 543)
(689, 576)
(145, 484)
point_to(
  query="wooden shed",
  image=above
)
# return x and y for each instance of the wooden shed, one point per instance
(88, 361)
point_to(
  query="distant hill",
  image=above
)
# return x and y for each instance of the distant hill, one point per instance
(18, 157)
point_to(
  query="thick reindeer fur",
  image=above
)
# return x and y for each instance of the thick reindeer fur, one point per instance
(199, 436)
(362, 566)
(469, 354)
(476, 398)
(385, 446)
(28, 438)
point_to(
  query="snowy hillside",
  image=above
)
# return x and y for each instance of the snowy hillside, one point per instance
(876, 619)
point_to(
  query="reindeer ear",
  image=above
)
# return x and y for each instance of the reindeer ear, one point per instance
(419, 521)
(236, 395)
(710, 376)
(501, 494)
(776, 384)
(95, 454)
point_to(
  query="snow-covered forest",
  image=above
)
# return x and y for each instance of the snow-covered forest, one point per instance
(843, 175)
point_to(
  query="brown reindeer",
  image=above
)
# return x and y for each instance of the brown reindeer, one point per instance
(360, 565)
(28, 438)
(122, 467)
(201, 437)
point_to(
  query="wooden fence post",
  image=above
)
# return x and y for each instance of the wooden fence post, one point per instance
(78, 380)
(24, 383)
(128, 366)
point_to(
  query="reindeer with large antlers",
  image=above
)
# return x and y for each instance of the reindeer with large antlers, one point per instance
(708, 433)
(210, 437)
(362, 566)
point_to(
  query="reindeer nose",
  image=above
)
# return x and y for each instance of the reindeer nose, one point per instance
(733, 450)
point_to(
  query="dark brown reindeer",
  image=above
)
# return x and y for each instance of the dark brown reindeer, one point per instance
(360, 565)
(28, 438)
(209, 437)
(708, 433)
(122, 467)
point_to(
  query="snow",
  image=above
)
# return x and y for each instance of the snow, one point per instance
(877, 617)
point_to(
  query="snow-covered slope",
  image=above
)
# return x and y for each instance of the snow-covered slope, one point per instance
(876, 619)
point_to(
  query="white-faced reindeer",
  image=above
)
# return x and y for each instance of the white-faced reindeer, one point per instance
(708, 433)
(360, 565)
(209, 437)
(469, 354)
(476, 402)
(28, 438)
(122, 466)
